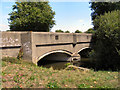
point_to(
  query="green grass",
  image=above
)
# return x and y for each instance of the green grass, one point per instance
(22, 74)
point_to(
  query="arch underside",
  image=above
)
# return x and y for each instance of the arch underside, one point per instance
(84, 52)
(57, 55)
(54, 56)
(83, 49)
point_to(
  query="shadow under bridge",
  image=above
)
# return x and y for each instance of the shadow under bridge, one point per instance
(55, 56)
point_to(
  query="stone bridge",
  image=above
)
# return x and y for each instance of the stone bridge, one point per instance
(38, 45)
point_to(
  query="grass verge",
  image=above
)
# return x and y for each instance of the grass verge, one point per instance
(21, 74)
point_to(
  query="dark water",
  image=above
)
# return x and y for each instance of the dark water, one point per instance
(61, 65)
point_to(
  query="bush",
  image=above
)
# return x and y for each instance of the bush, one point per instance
(67, 31)
(77, 31)
(106, 40)
(91, 30)
(59, 31)
(11, 60)
(20, 54)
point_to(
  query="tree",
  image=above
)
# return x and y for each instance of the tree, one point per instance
(31, 16)
(59, 31)
(91, 30)
(77, 31)
(106, 41)
(67, 31)
(99, 8)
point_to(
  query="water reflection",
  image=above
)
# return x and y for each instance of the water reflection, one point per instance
(56, 65)
(62, 65)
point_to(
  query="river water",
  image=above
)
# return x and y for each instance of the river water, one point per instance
(62, 65)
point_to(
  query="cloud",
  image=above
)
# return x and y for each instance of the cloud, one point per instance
(81, 21)
(72, 28)
(4, 27)
(86, 27)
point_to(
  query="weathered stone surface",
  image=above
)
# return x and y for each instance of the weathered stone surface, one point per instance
(37, 45)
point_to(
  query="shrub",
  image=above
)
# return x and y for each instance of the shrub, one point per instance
(91, 30)
(106, 40)
(77, 31)
(20, 54)
(67, 31)
(59, 31)
(67, 64)
(11, 60)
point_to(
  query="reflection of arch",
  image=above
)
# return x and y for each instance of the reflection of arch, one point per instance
(56, 51)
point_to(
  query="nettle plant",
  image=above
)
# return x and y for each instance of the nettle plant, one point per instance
(20, 54)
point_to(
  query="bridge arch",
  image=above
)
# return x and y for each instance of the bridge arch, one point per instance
(56, 55)
(84, 52)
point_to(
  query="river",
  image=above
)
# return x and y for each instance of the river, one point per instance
(84, 62)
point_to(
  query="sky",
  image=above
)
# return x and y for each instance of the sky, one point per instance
(69, 16)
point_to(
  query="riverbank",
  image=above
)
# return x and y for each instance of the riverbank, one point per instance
(21, 74)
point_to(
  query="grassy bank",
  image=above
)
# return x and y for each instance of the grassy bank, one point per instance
(21, 74)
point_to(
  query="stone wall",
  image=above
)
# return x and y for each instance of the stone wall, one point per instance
(10, 43)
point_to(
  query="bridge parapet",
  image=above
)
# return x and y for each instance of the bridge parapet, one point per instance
(58, 38)
(52, 38)
(83, 37)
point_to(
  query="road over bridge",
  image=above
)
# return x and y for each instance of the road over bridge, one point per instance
(38, 45)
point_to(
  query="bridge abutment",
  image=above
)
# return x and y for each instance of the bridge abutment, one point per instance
(26, 45)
